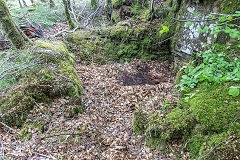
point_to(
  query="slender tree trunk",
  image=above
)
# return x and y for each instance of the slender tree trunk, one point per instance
(152, 8)
(71, 24)
(32, 1)
(24, 3)
(18, 39)
(109, 10)
(51, 4)
(20, 4)
(69, 4)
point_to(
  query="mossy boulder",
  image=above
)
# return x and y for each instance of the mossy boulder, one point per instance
(87, 46)
(214, 108)
(207, 125)
(78, 36)
(51, 75)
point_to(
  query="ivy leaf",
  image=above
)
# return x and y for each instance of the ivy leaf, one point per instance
(229, 18)
(222, 19)
(238, 74)
(233, 91)
(237, 14)
(188, 24)
(164, 29)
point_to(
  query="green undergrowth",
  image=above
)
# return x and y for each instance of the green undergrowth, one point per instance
(206, 120)
(50, 74)
(37, 15)
(207, 126)
(121, 43)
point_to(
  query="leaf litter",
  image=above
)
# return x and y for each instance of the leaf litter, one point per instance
(111, 94)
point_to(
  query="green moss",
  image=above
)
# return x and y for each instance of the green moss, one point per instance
(145, 15)
(139, 122)
(195, 145)
(94, 3)
(78, 36)
(117, 3)
(54, 76)
(178, 119)
(115, 17)
(56, 46)
(214, 108)
(229, 6)
(19, 100)
(70, 72)
(122, 42)
(88, 49)
(31, 128)
(56, 51)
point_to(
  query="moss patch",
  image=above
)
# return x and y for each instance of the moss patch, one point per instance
(208, 125)
(52, 75)
(229, 6)
(139, 122)
(122, 42)
(214, 108)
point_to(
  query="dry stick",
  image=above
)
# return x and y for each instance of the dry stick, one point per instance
(215, 147)
(74, 14)
(68, 31)
(51, 157)
(3, 150)
(93, 14)
(63, 134)
(11, 128)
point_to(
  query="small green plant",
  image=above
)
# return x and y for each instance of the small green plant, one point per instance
(234, 91)
(164, 30)
(215, 68)
(219, 63)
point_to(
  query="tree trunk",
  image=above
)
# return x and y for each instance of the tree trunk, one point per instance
(24, 3)
(20, 4)
(32, 1)
(109, 9)
(18, 39)
(71, 24)
(51, 4)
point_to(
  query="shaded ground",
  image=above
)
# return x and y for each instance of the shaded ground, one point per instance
(103, 131)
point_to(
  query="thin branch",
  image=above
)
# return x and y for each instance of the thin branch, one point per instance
(63, 134)
(10, 128)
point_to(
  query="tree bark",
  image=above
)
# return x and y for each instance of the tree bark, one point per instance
(71, 24)
(20, 4)
(109, 10)
(24, 3)
(51, 4)
(32, 1)
(18, 39)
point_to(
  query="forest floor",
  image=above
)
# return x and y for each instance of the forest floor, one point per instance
(112, 93)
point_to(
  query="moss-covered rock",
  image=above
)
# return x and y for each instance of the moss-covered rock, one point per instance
(52, 75)
(207, 125)
(122, 42)
(214, 108)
